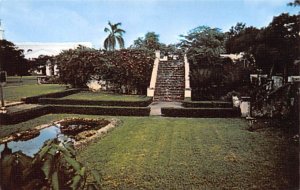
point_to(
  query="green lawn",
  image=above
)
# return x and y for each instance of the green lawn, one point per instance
(180, 153)
(18, 81)
(14, 90)
(105, 96)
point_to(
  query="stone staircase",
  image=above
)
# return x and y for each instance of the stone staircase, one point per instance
(170, 81)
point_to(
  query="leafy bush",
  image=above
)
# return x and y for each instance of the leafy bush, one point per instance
(123, 68)
(53, 167)
(76, 67)
(212, 82)
(131, 69)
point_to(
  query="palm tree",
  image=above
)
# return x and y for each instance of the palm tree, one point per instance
(115, 34)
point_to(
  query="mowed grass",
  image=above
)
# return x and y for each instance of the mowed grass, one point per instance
(180, 153)
(105, 96)
(16, 90)
(173, 153)
(17, 80)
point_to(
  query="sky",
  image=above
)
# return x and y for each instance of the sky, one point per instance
(85, 20)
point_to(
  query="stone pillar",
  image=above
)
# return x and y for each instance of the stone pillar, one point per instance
(245, 106)
(48, 68)
(55, 69)
(187, 90)
(150, 90)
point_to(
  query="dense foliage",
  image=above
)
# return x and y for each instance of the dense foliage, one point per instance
(129, 70)
(53, 167)
(274, 48)
(76, 67)
(211, 76)
(12, 59)
(39, 64)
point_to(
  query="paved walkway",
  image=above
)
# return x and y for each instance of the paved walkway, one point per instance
(156, 107)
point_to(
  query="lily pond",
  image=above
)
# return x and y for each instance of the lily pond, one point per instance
(30, 142)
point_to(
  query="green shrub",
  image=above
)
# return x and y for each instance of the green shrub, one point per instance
(200, 112)
(130, 68)
(140, 103)
(53, 167)
(206, 104)
(97, 110)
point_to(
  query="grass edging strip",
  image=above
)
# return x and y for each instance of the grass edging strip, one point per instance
(200, 112)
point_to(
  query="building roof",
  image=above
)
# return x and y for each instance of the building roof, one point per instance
(35, 49)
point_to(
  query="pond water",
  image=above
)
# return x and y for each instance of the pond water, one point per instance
(32, 146)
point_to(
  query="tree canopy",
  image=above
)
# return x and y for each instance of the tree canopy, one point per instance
(203, 44)
(274, 48)
(150, 42)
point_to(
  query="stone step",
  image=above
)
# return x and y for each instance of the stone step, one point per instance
(170, 81)
(169, 84)
(167, 79)
(169, 92)
(171, 76)
(167, 99)
(169, 88)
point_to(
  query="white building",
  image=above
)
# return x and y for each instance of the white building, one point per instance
(35, 49)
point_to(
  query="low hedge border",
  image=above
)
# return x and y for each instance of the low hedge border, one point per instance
(25, 115)
(206, 104)
(140, 103)
(35, 99)
(200, 112)
(99, 110)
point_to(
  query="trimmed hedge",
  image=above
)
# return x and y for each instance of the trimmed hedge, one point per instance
(207, 104)
(35, 99)
(25, 115)
(141, 103)
(92, 110)
(200, 112)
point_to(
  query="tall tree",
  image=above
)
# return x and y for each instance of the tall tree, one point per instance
(12, 59)
(115, 36)
(152, 40)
